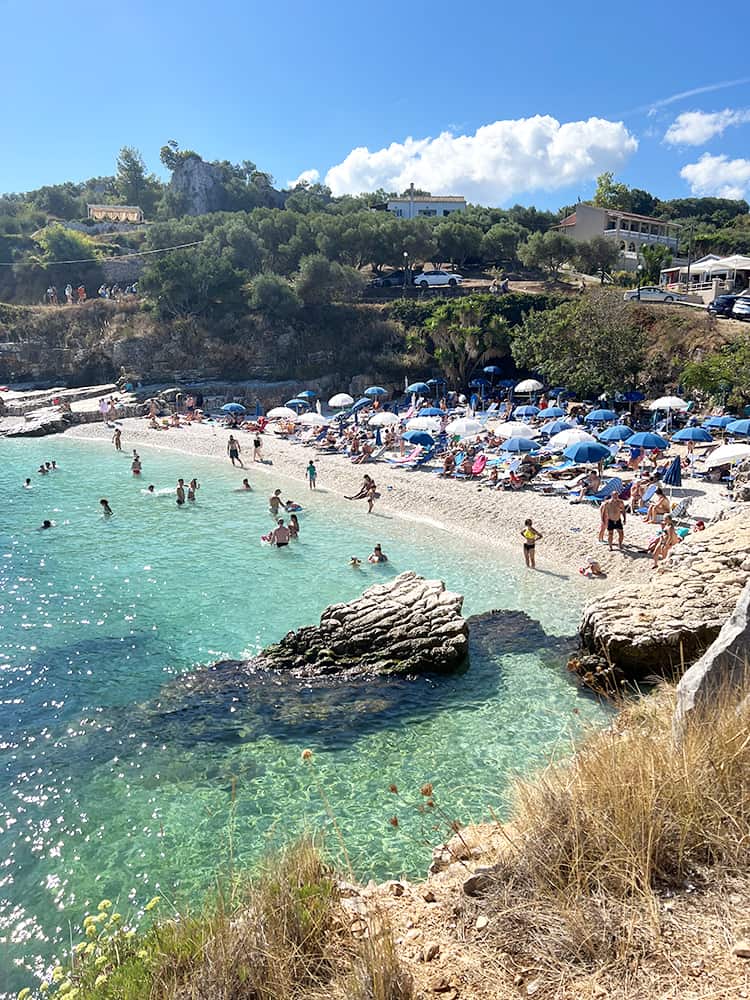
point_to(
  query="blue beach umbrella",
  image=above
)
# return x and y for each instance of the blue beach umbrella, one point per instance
(477, 382)
(556, 426)
(418, 387)
(620, 432)
(633, 397)
(361, 404)
(698, 433)
(307, 394)
(431, 411)
(378, 438)
(296, 404)
(720, 422)
(419, 437)
(583, 452)
(552, 411)
(673, 475)
(492, 370)
(507, 383)
(376, 390)
(737, 427)
(645, 439)
(600, 416)
(519, 444)
(526, 411)
(559, 390)
(233, 408)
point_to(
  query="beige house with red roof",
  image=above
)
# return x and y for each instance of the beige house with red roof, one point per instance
(629, 231)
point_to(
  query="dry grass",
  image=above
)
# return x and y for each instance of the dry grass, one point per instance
(633, 817)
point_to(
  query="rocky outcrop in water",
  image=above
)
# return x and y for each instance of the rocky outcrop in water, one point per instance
(406, 626)
(661, 626)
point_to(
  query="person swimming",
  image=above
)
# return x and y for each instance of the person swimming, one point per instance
(106, 509)
(42, 470)
(245, 487)
(27, 485)
(354, 562)
(46, 524)
(150, 488)
(377, 556)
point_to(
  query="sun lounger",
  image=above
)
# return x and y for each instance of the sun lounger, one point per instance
(605, 492)
(406, 459)
(420, 460)
(646, 497)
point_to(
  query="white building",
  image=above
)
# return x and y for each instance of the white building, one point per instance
(630, 232)
(709, 276)
(426, 206)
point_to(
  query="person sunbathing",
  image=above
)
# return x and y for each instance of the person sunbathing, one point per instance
(465, 467)
(449, 464)
(658, 506)
(666, 541)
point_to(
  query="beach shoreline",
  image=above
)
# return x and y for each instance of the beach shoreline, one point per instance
(463, 508)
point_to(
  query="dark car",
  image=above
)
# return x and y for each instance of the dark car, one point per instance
(722, 305)
(394, 279)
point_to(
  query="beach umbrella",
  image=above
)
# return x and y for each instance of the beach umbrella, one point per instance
(340, 401)
(559, 390)
(645, 439)
(431, 411)
(361, 403)
(565, 438)
(419, 437)
(375, 390)
(552, 411)
(586, 452)
(464, 427)
(307, 394)
(600, 416)
(633, 397)
(431, 424)
(233, 408)
(477, 382)
(619, 432)
(506, 383)
(526, 411)
(295, 403)
(383, 420)
(673, 475)
(281, 413)
(516, 444)
(555, 427)
(313, 420)
(529, 385)
(694, 434)
(738, 427)
(728, 454)
(668, 403)
(720, 422)
(417, 387)
(512, 428)
(492, 370)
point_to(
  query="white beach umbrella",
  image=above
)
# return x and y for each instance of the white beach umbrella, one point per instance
(431, 424)
(340, 401)
(281, 413)
(313, 420)
(512, 428)
(384, 419)
(668, 403)
(529, 385)
(464, 426)
(728, 454)
(559, 442)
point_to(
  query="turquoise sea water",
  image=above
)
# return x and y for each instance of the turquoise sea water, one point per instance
(115, 782)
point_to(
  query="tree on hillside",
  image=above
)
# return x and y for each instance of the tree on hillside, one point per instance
(59, 243)
(655, 258)
(611, 193)
(464, 334)
(457, 242)
(548, 251)
(321, 281)
(597, 256)
(273, 296)
(500, 243)
(134, 186)
(592, 344)
(193, 282)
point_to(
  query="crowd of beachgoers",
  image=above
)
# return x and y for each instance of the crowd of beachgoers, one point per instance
(608, 488)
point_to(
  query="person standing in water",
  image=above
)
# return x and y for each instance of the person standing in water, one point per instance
(106, 509)
(293, 526)
(233, 450)
(530, 536)
(193, 487)
(312, 475)
(136, 463)
(117, 439)
(180, 492)
(274, 502)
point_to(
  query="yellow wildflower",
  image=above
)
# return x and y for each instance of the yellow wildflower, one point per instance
(101, 961)
(154, 901)
(25, 992)
(115, 918)
(106, 904)
(89, 919)
(57, 973)
(90, 948)
(44, 988)
(100, 980)
(91, 931)
(65, 987)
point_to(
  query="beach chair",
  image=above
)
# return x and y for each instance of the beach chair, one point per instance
(420, 460)
(605, 492)
(646, 497)
(459, 458)
(406, 459)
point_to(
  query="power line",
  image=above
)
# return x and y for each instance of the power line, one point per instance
(98, 260)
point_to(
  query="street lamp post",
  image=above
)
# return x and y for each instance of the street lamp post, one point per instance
(406, 271)
(639, 269)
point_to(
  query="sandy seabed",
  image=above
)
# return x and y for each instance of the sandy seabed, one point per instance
(464, 508)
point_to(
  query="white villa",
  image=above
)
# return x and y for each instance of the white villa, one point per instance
(709, 276)
(428, 206)
(630, 232)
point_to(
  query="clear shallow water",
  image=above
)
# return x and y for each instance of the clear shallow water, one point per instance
(112, 785)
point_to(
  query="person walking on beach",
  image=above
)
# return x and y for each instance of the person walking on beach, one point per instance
(117, 439)
(257, 449)
(613, 510)
(530, 536)
(233, 450)
(311, 475)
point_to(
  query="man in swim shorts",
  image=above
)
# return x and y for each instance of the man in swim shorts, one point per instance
(233, 450)
(180, 491)
(280, 535)
(613, 512)
(275, 502)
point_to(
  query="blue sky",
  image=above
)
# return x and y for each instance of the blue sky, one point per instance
(503, 103)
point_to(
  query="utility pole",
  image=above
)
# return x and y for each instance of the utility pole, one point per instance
(690, 258)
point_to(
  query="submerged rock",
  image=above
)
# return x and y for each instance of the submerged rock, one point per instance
(406, 626)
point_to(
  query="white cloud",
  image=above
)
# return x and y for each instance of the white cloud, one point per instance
(718, 176)
(306, 177)
(497, 162)
(695, 128)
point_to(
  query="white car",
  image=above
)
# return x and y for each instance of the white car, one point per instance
(437, 277)
(741, 308)
(652, 293)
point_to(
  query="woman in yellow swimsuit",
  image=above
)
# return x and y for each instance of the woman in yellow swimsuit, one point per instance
(530, 536)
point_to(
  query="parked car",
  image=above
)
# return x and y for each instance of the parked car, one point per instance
(652, 293)
(428, 278)
(722, 305)
(394, 279)
(741, 308)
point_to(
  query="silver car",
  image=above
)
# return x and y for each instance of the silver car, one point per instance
(652, 293)
(741, 308)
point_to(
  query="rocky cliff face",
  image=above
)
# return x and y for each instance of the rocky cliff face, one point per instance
(198, 185)
(663, 625)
